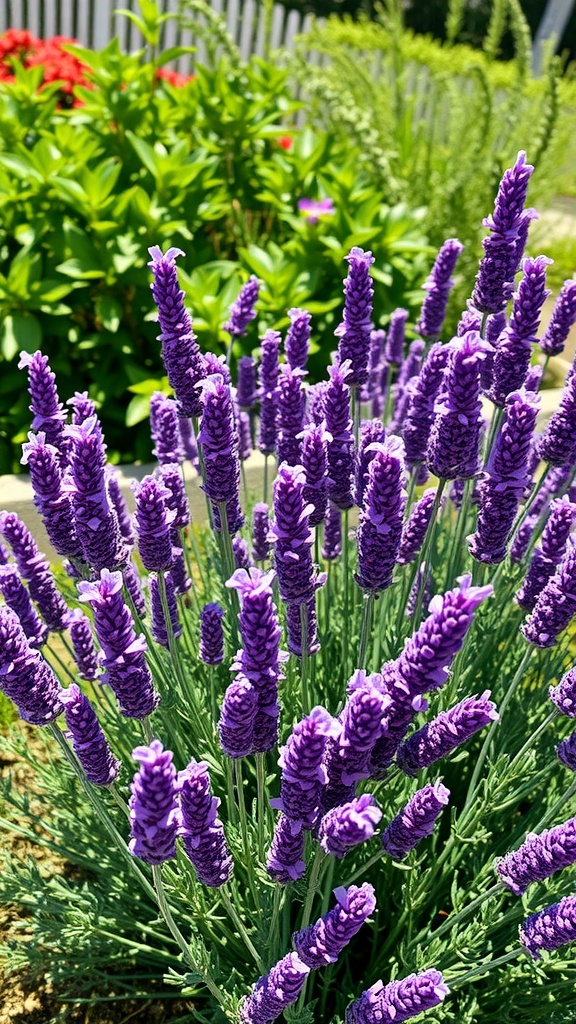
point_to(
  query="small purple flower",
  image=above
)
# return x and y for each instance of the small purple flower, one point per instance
(294, 628)
(165, 429)
(444, 733)
(211, 650)
(555, 606)
(94, 517)
(321, 943)
(298, 339)
(415, 529)
(454, 445)
(332, 547)
(34, 568)
(201, 829)
(25, 678)
(562, 319)
(220, 447)
(268, 383)
(314, 459)
(89, 742)
(188, 439)
(85, 654)
(49, 413)
(371, 432)
(422, 397)
(550, 928)
(374, 389)
(292, 536)
(405, 384)
(275, 991)
(153, 807)
(341, 447)
(540, 856)
(564, 695)
(437, 287)
(246, 390)
(316, 209)
(119, 506)
(153, 521)
(51, 498)
(345, 826)
(354, 331)
(82, 407)
(380, 521)
(557, 444)
(182, 357)
(285, 861)
(566, 752)
(416, 821)
(548, 555)
(176, 498)
(238, 717)
(242, 311)
(399, 1000)
(159, 626)
(133, 584)
(241, 552)
(18, 599)
(347, 756)
(260, 530)
(291, 404)
(303, 774)
(395, 338)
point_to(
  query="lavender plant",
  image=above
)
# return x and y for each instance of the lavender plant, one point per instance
(341, 832)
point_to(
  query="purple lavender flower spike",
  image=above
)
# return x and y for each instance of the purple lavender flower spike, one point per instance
(244, 428)
(201, 829)
(153, 521)
(446, 732)
(82, 407)
(332, 547)
(555, 606)
(153, 807)
(85, 654)
(371, 432)
(292, 537)
(119, 505)
(18, 599)
(540, 856)
(294, 628)
(372, 390)
(260, 530)
(298, 339)
(437, 287)
(548, 555)
(34, 568)
(506, 478)
(534, 378)
(50, 496)
(88, 741)
(416, 821)
(176, 498)
(550, 928)
(380, 521)
(345, 826)
(564, 695)
(522, 227)
(354, 331)
(303, 774)
(314, 458)
(242, 311)
(95, 519)
(422, 397)
(165, 429)
(126, 670)
(217, 364)
(566, 752)
(415, 529)
(557, 444)
(285, 861)
(493, 329)
(3, 555)
(321, 943)
(454, 444)
(188, 439)
(514, 349)
(268, 383)
(182, 357)
(291, 402)
(25, 678)
(241, 551)
(341, 447)
(275, 991)
(399, 1000)
(220, 446)
(133, 584)
(48, 411)
(405, 385)
(347, 756)
(159, 628)
(238, 718)
(562, 320)
(395, 340)
(315, 399)
(211, 650)
(246, 390)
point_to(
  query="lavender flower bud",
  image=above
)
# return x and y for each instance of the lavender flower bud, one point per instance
(564, 695)
(18, 599)
(341, 447)
(182, 357)
(291, 401)
(380, 522)
(314, 457)
(36, 571)
(399, 1000)
(118, 504)
(539, 857)
(285, 861)
(372, 391)
(159, 627)
(95, 519)
(165, 428)
(422, 397)
(133, 584)
(294, 632)
(292, 536)
(275, 991)
(242, 311)
(25, 678)
(347, 756)
(415, 529)
(188, 439)
(321, 943)
(405, 384)
(316, 395)
(176, 498)
(211, 650)
(354, 331)
(454, 446)
(549, 554)
(201, 829)
(534, 378)
(50, 496)
(345, 826)
(437, 287)
(242, 559)
(550, 928)
(371, 432)
(237, 718)
(298, 339)
(446, 732)
(153, 521)
(89, 742)
(85, 654)
(246, 390)
(303, 774)
(557, 444)
(260, 529)
(220, 446)
(394, 348)
(47, 409)
(555, 606)
(416, 821)
(332, 546)
(153, 807)
(562, 319)
(268, 381)
(82, 407)
(566, 752)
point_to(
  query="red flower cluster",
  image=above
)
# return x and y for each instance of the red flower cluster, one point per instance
(173, 77)
(59, 66)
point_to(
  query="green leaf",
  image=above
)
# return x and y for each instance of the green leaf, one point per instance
(20, 331)
(109, 311)
(138, 410)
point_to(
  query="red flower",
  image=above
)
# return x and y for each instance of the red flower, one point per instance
(285, 141)
(173, 77)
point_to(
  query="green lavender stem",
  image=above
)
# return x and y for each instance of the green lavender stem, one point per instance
(243, 818)
(366, 626)
(261, 803)
(304, 661)
(477, 972)
(237, 921)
